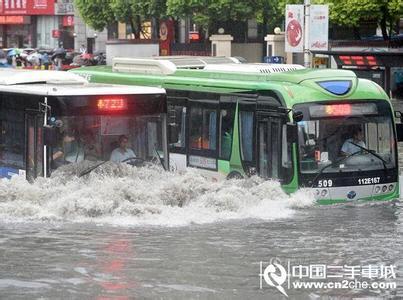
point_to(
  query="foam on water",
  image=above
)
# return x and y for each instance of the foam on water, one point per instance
(124, 195)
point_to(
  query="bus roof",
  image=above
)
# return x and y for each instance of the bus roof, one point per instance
(57, 83)
(304, 85)
(12, 77)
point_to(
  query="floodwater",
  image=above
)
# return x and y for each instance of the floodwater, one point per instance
(140, 233)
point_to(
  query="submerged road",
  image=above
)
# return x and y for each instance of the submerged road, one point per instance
(111, 238)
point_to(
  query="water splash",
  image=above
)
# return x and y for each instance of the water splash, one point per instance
(124, 195)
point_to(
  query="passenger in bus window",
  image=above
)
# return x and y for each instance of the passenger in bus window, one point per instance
(348, 147)
(70, 150)
(92, 149)
(122, 153)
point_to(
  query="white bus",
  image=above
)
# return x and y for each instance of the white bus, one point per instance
(49, 119)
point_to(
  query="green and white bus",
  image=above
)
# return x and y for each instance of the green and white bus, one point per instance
(321, 129)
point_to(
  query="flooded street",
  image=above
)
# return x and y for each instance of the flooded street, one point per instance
(211, 261)
(143, 234)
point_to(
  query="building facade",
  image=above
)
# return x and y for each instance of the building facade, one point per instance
(94, 41)
(36, 23)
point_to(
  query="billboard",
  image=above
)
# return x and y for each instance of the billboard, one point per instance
(319, 27)
(294, 28)
(64, 7)
(27, 7)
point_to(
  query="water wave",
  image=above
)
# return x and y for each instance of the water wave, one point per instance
(125, 195)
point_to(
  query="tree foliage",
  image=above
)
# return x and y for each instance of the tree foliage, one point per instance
(99, 13)
(95, 13)
(206, 13)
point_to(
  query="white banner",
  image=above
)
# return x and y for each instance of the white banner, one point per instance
(294, 28)
(319, 27)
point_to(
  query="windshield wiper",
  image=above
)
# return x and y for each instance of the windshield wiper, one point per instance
(331, 165)
(384, 162)
(159, 157)
(90, 169)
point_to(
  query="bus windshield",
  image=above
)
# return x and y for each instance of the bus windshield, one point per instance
(120, 129)
(337, 138)
(132, 139)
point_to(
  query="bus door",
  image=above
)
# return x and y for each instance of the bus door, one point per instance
(34, 150)
(269, 136)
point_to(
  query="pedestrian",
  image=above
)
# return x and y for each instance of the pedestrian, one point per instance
(83, 49)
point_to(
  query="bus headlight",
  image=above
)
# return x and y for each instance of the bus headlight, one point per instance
(391, 187)
(323, 193)
(317, 192)
(377, 189)
(384, 189)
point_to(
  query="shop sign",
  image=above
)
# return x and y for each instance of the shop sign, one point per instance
(68, 21)
(55, 33)
(15, 20)
(27, 7)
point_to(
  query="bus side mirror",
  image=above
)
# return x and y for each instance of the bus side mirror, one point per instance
(398, 114)
(297, 116)
(292, 133)
(399, 132)
(50, 136)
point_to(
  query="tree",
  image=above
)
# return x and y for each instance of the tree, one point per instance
(96, 13)
(270, 15)
(206, 13)
(350, 13)
(99, 13)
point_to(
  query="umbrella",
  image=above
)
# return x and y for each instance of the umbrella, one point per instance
(13, 52)
(59, 52)
(34, 58)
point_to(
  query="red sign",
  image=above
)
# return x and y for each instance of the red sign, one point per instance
(27, 7)
(194, 36)
(55, 33)
(338, 110)
(358, 60)
(68, 21)
(111, 104)
(166, 37)
(14, 20)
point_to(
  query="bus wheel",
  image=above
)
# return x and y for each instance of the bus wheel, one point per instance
(235, 175)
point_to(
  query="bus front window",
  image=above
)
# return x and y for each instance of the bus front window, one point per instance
(108, 138)
(347, 142)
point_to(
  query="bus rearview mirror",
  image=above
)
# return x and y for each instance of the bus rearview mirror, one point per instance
(292, 133)
(50, 136)
(399, 132)
(297, 116)
(398, 114)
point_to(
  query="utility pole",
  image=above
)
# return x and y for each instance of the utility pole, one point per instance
(307, 54)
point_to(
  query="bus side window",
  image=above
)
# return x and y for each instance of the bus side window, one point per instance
(12, 129)
(203, 128)
(246, 134)
(226, 132)
(177, 123)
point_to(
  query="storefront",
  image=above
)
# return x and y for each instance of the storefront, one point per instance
(18, 22)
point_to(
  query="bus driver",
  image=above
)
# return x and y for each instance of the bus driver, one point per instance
(122, 152)
(348, 147)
